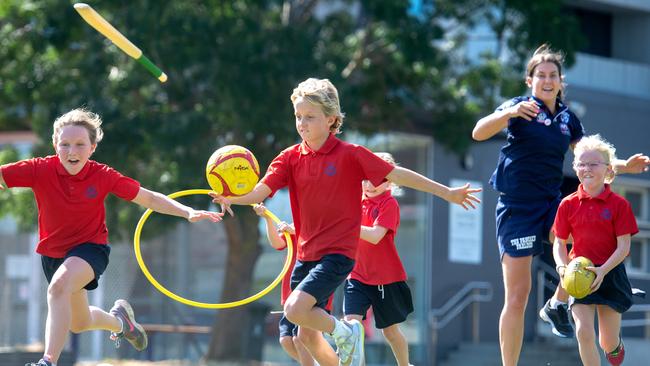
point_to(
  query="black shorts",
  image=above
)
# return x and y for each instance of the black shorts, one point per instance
(287, 328)
(94, 254)
(523, 226)
(321, 278)
(615, 291)
(391, 303)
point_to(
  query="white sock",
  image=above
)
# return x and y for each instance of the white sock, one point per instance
(121, 325)
(340, 329)
(554, 303)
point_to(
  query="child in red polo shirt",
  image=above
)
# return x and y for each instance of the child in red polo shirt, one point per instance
(601, 223)
(378, 278)
(288, 331)
(324, 176)
(70, 190)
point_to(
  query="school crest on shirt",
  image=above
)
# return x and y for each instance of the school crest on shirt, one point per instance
(91, 192)
(564, 128)
(542, 117)
(606, 214)
(564, 118)
(330, 169)
(375, 213)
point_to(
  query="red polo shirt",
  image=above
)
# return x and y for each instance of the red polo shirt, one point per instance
(594, 222)
(70, 207)
(379, 264)
(325, 193)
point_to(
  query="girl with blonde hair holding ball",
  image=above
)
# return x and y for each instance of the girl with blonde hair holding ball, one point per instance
(601, 223)
(540, 129)
(70, 190)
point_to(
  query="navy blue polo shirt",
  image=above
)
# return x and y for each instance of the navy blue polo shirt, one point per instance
(530, 163)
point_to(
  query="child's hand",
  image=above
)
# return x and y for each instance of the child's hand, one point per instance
(637, 163)
(284, 227)
(200, 215)
(223, 201)
(463, 196)
(259, 209)
(600, 276)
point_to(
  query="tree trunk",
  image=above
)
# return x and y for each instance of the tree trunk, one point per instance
(231, 326)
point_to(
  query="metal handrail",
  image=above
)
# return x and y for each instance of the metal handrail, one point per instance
(471, 294)
(457, 303)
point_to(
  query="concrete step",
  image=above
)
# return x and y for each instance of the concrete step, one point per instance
(532, 354)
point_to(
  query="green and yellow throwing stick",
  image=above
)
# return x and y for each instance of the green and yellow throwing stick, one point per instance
(102, 26)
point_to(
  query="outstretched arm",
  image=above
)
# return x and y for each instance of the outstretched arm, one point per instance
(272, 234)
(459, 195)
(635, 164)
(257, 195)
(160, 203)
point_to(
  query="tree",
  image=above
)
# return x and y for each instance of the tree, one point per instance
(232, 66)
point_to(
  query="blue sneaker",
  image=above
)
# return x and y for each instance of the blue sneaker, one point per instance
(133, 332)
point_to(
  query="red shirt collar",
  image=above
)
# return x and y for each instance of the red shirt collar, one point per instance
(329, 144)
(582, 195)
(60, 169)
(379, 198)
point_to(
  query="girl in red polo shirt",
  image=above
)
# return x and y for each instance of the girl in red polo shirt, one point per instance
(378, 278)
(601, 223)
(324, 176)
(288, 331)
(70, 190)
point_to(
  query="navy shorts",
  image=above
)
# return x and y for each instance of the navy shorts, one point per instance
(391, 303)
(94, 254)
(287, 328)
(321, 278)
(615, 291)
(524, 226)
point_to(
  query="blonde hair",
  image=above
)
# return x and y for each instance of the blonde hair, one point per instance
(322, 93)
(543, 54)
(387, 157)
(79, 117)
(598, 144)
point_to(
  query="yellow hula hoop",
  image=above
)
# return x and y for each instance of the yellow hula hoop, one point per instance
(173, 296)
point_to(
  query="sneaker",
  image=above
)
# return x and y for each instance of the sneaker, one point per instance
(558, 319)
(131, 330)
(617, 356)
(350, 348)
(40, 362)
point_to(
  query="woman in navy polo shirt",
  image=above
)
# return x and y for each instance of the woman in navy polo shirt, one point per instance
(540, 129)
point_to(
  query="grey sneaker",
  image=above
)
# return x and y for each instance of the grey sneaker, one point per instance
(350, 348)
(40, 362)
(131, 330)
(558, 319)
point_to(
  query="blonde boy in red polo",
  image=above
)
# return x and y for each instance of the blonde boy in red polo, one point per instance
(324, 176)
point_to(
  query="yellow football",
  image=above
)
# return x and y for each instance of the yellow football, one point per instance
(232, 171)
(577, 280)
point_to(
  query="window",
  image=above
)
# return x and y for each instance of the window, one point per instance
(638, 194)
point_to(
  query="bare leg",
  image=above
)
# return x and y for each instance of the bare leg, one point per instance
(318, 347)
(300, 309)
(287, 344)
(398, 344)
(517, 284)
(583, 315)
(609, 328)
